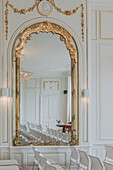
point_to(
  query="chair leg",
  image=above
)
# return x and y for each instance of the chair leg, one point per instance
(70, 164)
(78, 166)
(38, 167)
(33, 166)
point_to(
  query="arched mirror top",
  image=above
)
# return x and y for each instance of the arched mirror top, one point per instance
(46, 27)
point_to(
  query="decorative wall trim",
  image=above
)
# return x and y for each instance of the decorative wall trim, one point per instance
(37, 4)
(95, 23)
(100, 14)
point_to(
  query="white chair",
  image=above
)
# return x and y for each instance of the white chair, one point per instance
(84, 160)
(33, 125)
(49, 131)
(48, 139)
(56, 134)
(54, 140)
(60, 135)
(36, 157)
(69, 137)
(108, 166)
(28, 126)
(48, 166)
(42, 162)
(65, 137)
(109, 153)
(38, 127)
(74, 157)
(96, 163)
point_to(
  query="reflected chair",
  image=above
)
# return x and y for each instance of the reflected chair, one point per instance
(69, 137)
(28, 126)
(56, 134)
(65, 137)
(60, 135)
(96, 163)
(109, 153)
(74, 157)
(33, 126)
(54, 140)
(38, 127)
(84, 160)
(48, 139)
(49, 131)
(108, 166)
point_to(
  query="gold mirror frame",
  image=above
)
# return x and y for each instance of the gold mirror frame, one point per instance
(67, 38)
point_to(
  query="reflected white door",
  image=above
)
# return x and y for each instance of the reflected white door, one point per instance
(49, 111)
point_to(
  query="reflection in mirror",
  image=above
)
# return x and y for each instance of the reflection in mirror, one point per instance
(45, 91)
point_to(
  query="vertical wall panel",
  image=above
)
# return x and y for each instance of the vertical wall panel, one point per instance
(106, 88)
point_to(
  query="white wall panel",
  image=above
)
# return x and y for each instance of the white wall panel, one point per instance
(101, 74)
(106, 88)
(30, 105)
(29, 160)
(19, 158)
(94, 90)
(106, 25)
(94, 24)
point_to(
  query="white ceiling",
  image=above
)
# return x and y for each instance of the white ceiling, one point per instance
(46, 55)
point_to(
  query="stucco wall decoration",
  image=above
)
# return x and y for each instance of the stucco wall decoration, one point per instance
(45, 8)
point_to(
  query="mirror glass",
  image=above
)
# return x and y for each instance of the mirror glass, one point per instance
(45, 91)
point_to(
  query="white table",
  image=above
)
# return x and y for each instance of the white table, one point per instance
(8, 165)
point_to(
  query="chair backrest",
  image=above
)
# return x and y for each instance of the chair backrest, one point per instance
(33, 125)
(49, 131)
(96, 163)
(109, 153)
(84, 160)
(56, 133)
(37, 153)
(54, 140)
(65, 136)
(28, 125)
(52, 167)
(74, 153)
(69, 137)
(42, 161)
(33, 148)
(108, 166)
(60, 135)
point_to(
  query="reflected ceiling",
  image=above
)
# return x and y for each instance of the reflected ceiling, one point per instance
(45, 54)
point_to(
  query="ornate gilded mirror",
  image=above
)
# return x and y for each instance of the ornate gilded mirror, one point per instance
(46, 80)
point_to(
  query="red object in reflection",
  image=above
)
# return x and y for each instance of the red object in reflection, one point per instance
(68, 126)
